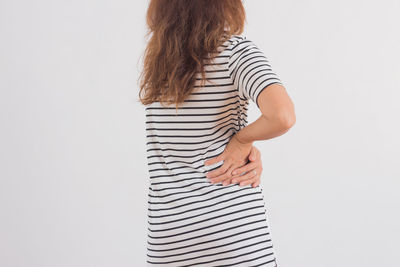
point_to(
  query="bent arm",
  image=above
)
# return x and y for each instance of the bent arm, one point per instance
(278, 115)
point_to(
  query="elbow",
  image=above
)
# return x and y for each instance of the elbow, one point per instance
(286, 120)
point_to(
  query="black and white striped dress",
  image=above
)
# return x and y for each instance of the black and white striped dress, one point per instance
(192, 222)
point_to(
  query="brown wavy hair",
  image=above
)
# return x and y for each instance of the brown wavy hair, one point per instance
(184, 33)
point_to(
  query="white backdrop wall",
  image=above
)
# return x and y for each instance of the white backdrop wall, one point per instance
(73, 170)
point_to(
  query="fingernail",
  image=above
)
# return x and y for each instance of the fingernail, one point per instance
(234, 172)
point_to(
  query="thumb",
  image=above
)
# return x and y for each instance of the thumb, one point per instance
(252, 156)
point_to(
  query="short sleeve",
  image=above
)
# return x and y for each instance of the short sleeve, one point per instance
(249, 69)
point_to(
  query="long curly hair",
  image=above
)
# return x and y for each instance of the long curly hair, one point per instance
(185, 34)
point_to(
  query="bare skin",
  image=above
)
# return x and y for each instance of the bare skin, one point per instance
(252, 171)
(278, 116)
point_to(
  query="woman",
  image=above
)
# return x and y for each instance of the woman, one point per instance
(206, 205)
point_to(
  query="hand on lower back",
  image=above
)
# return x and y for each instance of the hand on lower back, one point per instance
(234, 156)
(252, 171)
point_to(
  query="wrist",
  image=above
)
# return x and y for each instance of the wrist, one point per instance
(239, 139)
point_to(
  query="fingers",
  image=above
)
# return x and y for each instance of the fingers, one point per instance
(250, 181)
(230, 171)
(224, 176)
(257, 183)
(218, 158)
(254, 181)
(220, 170)
(250, 175)
(245, 168)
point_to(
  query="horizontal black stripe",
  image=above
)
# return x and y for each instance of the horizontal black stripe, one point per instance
(208, 241)
(190, 143)
(217, 198)
(216, 131)
(206, 227)
(193, 115)
(191, 122)
(200, 107)
(186, 164)
(209, 206)
(191, 129)
(213, 233)
(201, 221)
(214, 247)
(213, 254)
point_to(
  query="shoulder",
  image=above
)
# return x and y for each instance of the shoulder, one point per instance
(241, 44)
(234, 40)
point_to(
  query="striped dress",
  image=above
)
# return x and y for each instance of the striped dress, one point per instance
(192, 222)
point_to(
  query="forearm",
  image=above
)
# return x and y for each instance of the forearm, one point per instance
(262, 129)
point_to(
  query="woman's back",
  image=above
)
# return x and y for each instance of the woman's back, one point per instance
(191, 221)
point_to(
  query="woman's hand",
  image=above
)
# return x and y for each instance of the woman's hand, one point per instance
(234, 155)
(252, 170)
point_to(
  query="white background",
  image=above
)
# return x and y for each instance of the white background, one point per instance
(73, 188)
